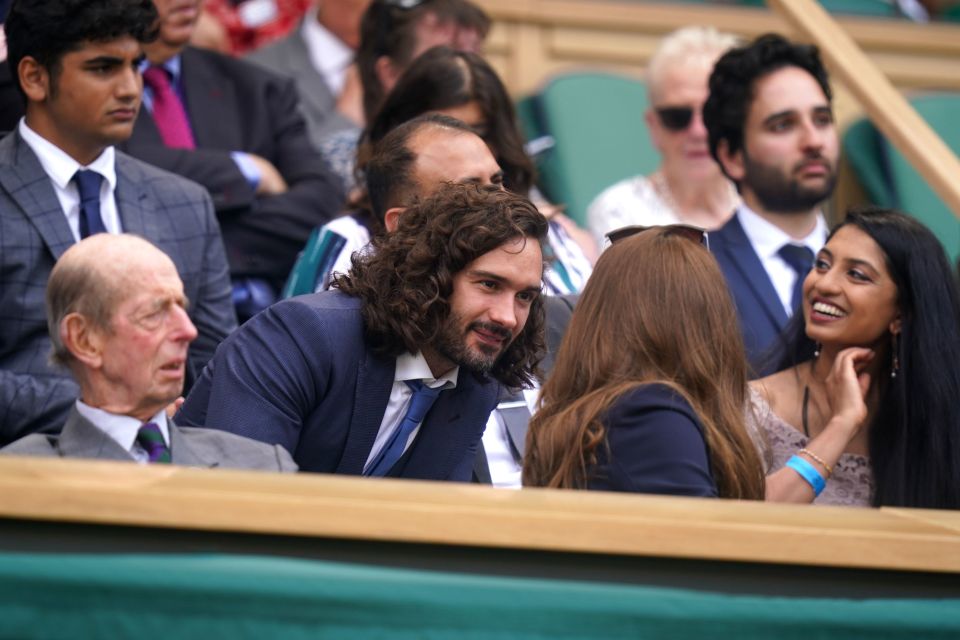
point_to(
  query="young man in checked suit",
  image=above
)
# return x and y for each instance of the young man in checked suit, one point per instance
(77, 63)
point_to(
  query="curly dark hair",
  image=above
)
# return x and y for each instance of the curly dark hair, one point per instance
(733, 82)
(46, 30)
(406, 281)
(389, 29)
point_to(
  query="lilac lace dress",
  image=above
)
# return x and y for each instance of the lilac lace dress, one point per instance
(851, 483)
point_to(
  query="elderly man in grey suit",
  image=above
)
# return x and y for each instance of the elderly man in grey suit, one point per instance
(118, 321)
(76, 62)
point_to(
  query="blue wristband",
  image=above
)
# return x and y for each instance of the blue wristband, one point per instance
(809, 473)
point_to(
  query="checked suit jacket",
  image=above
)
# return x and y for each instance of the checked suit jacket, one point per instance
(173, 213)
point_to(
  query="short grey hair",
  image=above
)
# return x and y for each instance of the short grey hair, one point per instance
(689, 45)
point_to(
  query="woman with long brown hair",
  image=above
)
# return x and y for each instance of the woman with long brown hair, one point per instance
(650, 383)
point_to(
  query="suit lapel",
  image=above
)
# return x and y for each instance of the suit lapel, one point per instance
(27, 184)
(81, 439)
(313, 89)
(211, 103)
(181, 451)
(136, 209)
(744, 258)
(372, 393)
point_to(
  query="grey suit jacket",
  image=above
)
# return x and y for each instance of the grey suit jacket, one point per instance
(173, 213)
(192, 447)
(290, 57)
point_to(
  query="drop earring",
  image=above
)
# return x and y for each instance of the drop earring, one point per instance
(816, 350)
(895, 363)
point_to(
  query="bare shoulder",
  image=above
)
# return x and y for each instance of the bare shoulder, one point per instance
(780, 390)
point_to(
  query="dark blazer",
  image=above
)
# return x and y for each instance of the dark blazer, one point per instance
(300, 375)
(762, 317)
(234, 105)
(290, 57)
(173, 213)
(656, 445)
(80, 438)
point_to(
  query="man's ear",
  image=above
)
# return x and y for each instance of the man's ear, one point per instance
(732, 163)
(34, 78)
(391, 219)
(387, 74)
(83, 340)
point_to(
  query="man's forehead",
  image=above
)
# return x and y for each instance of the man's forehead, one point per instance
(786, 89)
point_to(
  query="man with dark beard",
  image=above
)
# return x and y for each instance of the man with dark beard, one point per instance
(771, 129)
(393, 371)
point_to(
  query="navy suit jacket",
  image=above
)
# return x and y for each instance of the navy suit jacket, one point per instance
(761, 313)
(234, 105)
(656, 445)
(173, 213)
(300, 375)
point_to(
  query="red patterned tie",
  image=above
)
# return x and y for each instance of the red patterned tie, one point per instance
(168, 111)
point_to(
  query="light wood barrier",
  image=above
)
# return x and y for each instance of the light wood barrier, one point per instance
(76, 505)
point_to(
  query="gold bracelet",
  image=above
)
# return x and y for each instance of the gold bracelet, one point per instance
(819, 460)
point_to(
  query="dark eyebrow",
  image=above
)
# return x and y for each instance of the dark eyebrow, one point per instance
(857, 262)
(779, 115)
(100, 61)
(498, 278)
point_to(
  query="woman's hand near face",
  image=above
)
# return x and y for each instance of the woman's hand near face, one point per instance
(847, 386)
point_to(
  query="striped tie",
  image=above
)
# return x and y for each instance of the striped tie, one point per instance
(151, 439)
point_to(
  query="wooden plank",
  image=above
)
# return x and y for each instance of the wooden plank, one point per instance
(323, 506)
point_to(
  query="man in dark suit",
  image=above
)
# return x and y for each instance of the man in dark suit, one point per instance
(439, 311)
(771, 128)
(61, 180)
(118, 322)
(235, 128)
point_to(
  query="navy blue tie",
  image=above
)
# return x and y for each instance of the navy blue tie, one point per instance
(421, 401)
(800, 259)
(88, 184)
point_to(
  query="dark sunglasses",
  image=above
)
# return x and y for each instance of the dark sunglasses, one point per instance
(675, 118)
(690, 232)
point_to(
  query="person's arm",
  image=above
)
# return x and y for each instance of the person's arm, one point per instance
(265, 379)
(33, 404)
(212, 311)
(847, 391)
(657, 445)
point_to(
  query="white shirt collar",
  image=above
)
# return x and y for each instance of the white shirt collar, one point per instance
(415, 367)
(122, 429)
(60, 166)
(767, 239)
(328, 54)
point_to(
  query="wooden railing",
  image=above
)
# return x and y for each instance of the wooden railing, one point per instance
(315, 507)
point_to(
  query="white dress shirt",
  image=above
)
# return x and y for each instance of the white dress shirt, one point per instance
(328, 54)
(409, 367)
(505, 469)
(767, 241)
(123, 429)
(61, 168)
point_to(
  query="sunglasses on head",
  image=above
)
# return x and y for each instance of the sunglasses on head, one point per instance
(690, 232)
(675, 118)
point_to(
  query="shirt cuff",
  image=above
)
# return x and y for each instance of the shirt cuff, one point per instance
(248, 168)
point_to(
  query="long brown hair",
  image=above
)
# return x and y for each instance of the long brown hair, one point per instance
(655, 310)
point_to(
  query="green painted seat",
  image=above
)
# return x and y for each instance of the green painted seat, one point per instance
(596, 121)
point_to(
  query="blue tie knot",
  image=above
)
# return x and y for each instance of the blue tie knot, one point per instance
(800, 258)
(421, 401)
